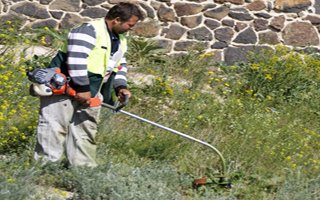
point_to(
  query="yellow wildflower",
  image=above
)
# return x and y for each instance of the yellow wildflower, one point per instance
(249, 91)
(64, 193)
(151, 136)
(199, 117)
(255, 66)
(11, 180)
(27, 41)
(208, 54)
(268, 76)
(233, 67)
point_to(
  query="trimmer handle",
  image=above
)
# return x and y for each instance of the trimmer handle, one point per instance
(119, 105)
(94, 101)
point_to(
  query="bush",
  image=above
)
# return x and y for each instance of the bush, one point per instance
(18, 110)
(277, 75)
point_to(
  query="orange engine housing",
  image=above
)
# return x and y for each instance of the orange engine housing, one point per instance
(65, 89)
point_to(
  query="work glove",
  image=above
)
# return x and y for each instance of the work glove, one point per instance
(123, 99)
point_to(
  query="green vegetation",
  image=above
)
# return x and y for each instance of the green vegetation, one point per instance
(262, 115)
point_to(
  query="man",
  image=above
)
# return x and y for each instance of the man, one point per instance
(94, 60)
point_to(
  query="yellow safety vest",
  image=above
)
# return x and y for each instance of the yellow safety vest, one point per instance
(98, 61)
(99, 57)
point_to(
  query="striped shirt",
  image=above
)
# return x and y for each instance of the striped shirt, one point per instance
(81, 41)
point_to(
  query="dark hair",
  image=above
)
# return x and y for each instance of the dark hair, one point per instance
(124, 11)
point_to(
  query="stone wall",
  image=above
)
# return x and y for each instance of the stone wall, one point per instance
(229, 28)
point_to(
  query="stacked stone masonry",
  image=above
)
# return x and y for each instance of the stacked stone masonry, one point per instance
(228, 28)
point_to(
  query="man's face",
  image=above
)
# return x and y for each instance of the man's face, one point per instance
(122, 27)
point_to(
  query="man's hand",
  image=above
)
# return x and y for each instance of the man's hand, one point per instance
(122, 93)
(83, 97)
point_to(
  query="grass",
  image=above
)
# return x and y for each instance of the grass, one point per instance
(262, 115)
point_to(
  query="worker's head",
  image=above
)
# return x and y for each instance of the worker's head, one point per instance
(123, 16)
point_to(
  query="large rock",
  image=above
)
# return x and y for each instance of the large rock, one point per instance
(175, 32)
(50, 23)
(217, 13)
(94, 13)
(228, 22)
(240, 26)
(191, 22)
(247, 36)
(300, 34)
(71, 20)
(224, 34)
(241, 15)
(117, 1)
(317, 6)
(12, 16)
(183, 9)
(257, 5)
(34, 10)
(315, 20)
(45, 2)
(188, 45)
(56, 14)
(260, 24)
(237, 2)
(278, 22)
(269, 37)
(292, 5)
(166, 45)
(201, 34)
(93, 2)
(263, 15)
(70, 5)
(148, 9)
(166, 14)
(234, 55)
(212, 24)
(148, 28)
(219, 45)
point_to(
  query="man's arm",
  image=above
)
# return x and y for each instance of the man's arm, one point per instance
(120, 81)
(81, 41)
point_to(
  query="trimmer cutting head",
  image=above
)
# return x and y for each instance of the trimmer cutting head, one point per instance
(204, 181)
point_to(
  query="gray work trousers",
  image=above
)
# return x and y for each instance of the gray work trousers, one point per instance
(66, 127)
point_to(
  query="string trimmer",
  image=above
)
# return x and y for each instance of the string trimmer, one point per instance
(51, 81)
